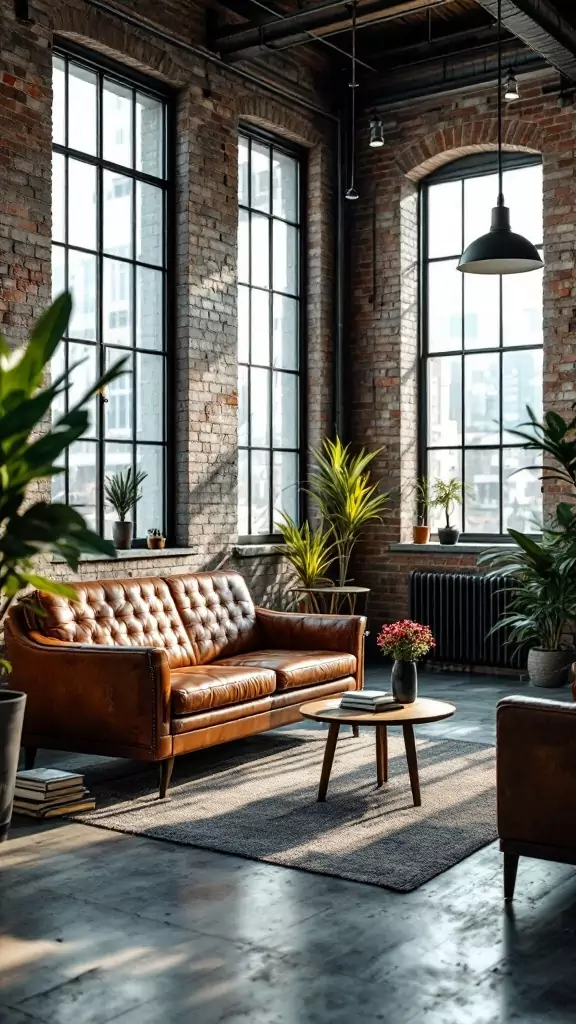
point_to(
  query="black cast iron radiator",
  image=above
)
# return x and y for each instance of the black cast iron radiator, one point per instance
(461, 609)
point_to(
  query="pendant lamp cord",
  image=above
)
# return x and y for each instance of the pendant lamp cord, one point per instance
(353, 86)
(500, 176)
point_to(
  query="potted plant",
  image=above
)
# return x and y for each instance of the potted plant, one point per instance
(406, 642)
(446, 494)
(123, 491)
(347, 500)
(540, 579)
(28, 453)
(421, 532)
(155, 539)
(310, 553)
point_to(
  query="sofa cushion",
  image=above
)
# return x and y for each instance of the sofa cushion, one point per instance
(203, 687)
(122, 613)
(217, 612)
(298, 668)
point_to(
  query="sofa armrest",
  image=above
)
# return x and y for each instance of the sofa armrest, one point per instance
(87, 696)
(299, 631)
(536, 770)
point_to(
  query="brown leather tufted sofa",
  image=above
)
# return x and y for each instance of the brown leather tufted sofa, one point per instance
(152, 668)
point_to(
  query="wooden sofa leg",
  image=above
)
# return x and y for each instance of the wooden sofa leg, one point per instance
(355, 730)
(510, 870)
(29, 757)
(165, 776)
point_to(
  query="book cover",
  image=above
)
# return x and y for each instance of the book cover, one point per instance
(56, 812)
(46, 778)
(35, 797)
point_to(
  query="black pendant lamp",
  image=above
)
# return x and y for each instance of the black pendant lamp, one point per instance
(501, 251)
(351, 192)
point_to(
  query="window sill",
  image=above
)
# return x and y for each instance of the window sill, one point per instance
(434, 548)
(257, 550)
(134, 554)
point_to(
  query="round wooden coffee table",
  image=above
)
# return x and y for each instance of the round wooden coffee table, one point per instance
(421, 711)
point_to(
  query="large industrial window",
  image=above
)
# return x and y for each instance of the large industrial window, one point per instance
(481, 347)
(269, 333)
(109, 218)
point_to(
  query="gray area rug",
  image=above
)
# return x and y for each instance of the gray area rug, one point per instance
(256, 798)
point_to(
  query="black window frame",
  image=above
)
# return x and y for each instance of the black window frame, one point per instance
(477, 165)
(299, 153)
(137, 82)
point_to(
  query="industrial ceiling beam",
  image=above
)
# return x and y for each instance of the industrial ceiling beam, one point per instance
(410, 83)
(242, 42)
(538, 24)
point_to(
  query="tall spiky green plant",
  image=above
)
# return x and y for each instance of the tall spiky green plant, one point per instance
(310, 553)
(29, 452)
(123, 491)
(341, 488)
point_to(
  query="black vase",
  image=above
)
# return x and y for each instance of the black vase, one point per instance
(405, 681)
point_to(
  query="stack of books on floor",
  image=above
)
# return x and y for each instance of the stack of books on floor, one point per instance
(369, 700)
(49, 793)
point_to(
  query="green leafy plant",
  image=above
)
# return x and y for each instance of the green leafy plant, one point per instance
(445, 494)
(155, 532)
(123, 491)
(348, 502)
(424, 499)
(542, 589)
(309, 551)
(29, 452)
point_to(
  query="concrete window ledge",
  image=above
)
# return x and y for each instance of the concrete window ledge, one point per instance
(257, 550)
(435, 548)
(134, 554)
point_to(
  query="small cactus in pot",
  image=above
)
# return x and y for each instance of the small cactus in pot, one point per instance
(155, 539)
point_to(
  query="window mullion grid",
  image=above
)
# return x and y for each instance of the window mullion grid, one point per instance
(270, 371)
(249, 368)
(463, 374)
(66, 283)
(100, 360)
(135, 396)
(501, 405)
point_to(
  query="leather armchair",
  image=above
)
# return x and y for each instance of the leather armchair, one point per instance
(536, 773)
(156, 667)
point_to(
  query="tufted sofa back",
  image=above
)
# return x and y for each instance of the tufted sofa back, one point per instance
(217, 612)
(195, 617)
(123, 613)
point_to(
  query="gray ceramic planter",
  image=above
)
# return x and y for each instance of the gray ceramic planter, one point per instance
(12, 704)
(448, 534)
(122, 535)
(550, 668)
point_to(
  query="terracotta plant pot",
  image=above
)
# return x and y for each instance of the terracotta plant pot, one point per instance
(550, 668)
(156, 543)
(421, 534)
(405, 681)
(12, 704)
(122, 535)
(448, 534)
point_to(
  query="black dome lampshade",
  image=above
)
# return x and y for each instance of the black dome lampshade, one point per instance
(500, 251)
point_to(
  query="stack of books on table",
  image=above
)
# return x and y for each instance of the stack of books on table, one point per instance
(49, 793)
(369, 700)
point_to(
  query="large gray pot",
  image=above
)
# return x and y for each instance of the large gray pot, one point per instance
(550, 668)
(12, 704)
(122, 535)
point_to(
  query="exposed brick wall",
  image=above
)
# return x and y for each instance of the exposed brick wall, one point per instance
(384, 348)
(210, 105)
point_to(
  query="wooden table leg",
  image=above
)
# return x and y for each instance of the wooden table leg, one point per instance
(381, 754)
(328, 759)
(356, 731)
(412, 762)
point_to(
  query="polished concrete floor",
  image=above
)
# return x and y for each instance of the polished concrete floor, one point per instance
(98, 927)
